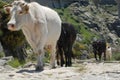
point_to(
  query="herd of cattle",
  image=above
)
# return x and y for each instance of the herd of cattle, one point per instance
(44, 29)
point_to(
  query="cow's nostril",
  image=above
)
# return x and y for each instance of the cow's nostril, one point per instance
(12, 25)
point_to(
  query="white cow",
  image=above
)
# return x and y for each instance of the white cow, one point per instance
(40, 25)
(108, 53)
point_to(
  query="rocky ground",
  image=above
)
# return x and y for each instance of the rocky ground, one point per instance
(79, 71)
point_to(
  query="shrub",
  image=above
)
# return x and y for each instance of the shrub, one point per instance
(116, 56)
(16, 63)
(2, 54)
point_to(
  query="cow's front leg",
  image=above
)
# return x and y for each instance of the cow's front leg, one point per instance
(40, 63)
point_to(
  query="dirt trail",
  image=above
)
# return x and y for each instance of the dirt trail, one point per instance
(79, 71)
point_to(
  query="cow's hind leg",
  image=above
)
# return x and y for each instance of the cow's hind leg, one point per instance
(66, 55)
(52, 56)
(70, 55)
(57, 58)
(95, 55)
(66, 59)
(100, 54)
(61, 58)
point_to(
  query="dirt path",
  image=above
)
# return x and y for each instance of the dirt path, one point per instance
(79, 71)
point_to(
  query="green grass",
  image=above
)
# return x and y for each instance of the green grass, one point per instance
(116, 56)
(2, 54)
(87, 34)
(111, 8)
(16, 63)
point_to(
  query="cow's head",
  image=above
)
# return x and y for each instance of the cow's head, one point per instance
(17, 10)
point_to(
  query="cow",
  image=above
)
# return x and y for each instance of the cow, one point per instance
(40, 25)
(99, 48)
(108, 52)
(65, 44)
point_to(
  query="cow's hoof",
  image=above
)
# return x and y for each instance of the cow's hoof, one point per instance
(39, 69)
(58, 63)
(104, 59)
(53, 67)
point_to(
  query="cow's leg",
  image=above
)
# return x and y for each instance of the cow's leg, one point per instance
(66, 59)
(69, 59)
(61, 57)
(57, 57)
(104, 55)
(70, 55)
(99, 54)
(95, 55)
(66, 56)
(41, 32)
(52, 57)
(40, 63)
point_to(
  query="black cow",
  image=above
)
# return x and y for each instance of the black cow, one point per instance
(99, 47)
(64, 45)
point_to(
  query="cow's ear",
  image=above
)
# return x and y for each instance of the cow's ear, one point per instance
(26, 8)
(7, 8)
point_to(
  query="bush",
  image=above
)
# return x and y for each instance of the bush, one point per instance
(16, 63)
(116, 56)
(77, 49)
(2, 54)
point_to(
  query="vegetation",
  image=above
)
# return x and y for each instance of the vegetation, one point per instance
(12, 42)
(2, 54)
(116, 56)
(16, 63)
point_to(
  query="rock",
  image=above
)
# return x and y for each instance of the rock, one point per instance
(8, 68)
(84, 55)
(9, 58)
(4, 60)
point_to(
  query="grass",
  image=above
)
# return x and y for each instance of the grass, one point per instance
(87, 34)
(116, 56)
(15, 63)
(110, 8)
(2, 54)
(80, 68)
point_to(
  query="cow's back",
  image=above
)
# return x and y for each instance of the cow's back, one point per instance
(68, 31)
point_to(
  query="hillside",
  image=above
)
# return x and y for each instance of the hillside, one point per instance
(92, 22)
(95, 20)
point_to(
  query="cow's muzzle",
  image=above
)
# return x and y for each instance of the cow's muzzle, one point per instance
(11, 27)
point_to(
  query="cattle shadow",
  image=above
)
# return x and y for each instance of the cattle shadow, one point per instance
(28, 71)
(113, 72)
